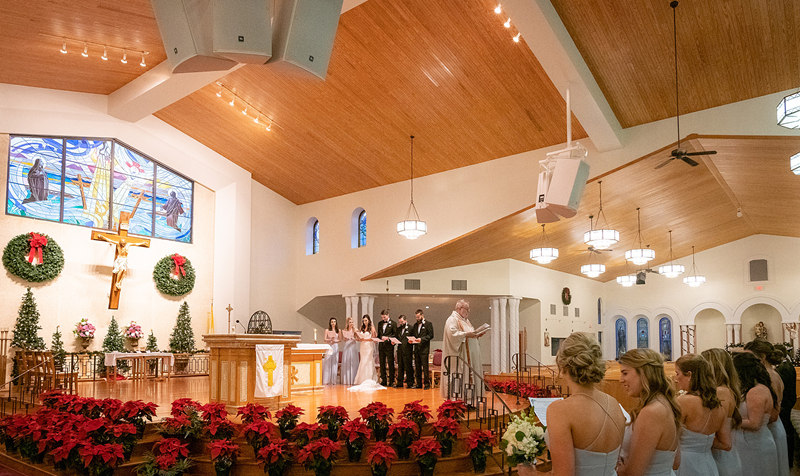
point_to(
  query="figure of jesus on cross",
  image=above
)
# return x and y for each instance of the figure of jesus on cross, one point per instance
(123, 242)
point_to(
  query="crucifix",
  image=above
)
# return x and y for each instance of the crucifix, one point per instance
(123, 242)
(229, 309)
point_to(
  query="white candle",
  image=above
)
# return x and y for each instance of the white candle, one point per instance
(315, 336)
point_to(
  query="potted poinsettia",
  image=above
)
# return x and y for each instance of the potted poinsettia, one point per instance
(138, 413)
(287, 418)
(334, 417)
(446, 431)
(427, 452)
(402, 434)
(101, 460)
(276, 456)
(258, 433)
(169, 457)
(380, 458)
(319, 456)
(217, 425)
(378, 418)
(451, 409)
(355, 434)
(223, 455)
(479, 443)
(416, 412)
(253, 412)
(305, 432)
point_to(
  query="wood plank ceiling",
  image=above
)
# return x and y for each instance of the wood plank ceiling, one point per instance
(699, 204)
(728, 51)
(447, 72)
(32, 32)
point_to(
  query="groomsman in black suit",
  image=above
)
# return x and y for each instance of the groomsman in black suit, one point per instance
(422, 330)
(386, 330)
(405, 372)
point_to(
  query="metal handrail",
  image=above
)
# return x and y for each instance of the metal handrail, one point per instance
(539, 364)
(23, 373)
(515, 361)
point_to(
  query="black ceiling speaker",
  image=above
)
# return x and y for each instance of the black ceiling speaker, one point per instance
(640, 277)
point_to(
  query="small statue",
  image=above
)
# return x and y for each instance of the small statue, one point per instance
(761, 331)
(546, 338)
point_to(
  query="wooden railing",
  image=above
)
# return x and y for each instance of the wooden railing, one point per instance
(91, 365)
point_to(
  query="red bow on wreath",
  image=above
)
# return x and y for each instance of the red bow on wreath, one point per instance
(179, 262)
(36, 241)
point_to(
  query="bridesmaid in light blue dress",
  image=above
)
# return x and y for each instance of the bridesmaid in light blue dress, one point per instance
(651, 440)
(702, 415)
(584, 432)
(330, 363)
(727, 380)
(349, 346)
(754, 442)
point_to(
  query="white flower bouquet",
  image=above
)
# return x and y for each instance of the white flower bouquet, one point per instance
(523, 440)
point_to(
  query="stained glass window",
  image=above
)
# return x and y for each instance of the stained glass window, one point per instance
(315, 238)
(86, 182)
(665, 337)
(362, 229)
(621, 328)
(642, 334)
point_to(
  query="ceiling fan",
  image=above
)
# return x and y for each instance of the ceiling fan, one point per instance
(591, 249)
(679, 153)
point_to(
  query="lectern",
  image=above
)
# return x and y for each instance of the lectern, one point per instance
(232, 367)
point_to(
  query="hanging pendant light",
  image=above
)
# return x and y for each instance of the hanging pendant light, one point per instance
(694, 280)
(789, 111)
(412, 227)
(626, 281)
(544, 254)
(640, 255)
(602, 237)
(592, 270)
(671, 270)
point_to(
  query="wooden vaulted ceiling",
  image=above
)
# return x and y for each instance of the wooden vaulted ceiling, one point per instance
(699, 204)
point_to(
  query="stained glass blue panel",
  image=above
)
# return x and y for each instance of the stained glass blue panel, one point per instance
(642, 334)
(362, 229)
(87, 180)
(131, 163)
(34, 177)
(173, 206)
(315, 238)
(621, 328)
(665, 337)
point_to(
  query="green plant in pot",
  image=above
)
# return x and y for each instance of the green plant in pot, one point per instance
(380, 458)
(355, 434)
(287, 418)
(427, 452)
(378, 418)
(259, 433)
(223, 455)
(446, 431)
(334, 417)
(169, 457)
(402, 434)
(479, 443)
(319, 456)
(277, 457)
(416, 412)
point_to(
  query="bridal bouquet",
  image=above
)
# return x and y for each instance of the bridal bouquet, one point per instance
(523, 440)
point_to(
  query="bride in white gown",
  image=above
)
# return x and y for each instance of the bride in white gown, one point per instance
(366, 377)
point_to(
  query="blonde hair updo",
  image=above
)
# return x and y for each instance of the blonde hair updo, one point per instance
(581, 357)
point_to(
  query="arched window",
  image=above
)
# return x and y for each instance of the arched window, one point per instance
(642, 333)
(621, 328)
(315, 238)
(362, 228)
(665, 337)
(358, 228)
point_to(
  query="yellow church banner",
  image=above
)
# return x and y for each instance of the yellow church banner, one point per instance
(269, 370)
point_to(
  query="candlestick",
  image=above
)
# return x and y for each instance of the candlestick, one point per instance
(315, 336)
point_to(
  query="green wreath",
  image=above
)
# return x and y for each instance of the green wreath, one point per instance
(164, 276)
(15, 259)
(566, 296)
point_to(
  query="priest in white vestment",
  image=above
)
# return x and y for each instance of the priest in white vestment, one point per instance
(460, 339)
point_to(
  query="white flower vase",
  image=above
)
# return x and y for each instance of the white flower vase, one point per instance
(525, 469)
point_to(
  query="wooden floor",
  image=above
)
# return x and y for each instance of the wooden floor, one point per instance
(162, 393)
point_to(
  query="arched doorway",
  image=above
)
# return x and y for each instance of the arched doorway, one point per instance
(665, 337)
(642, 333)
(767, 314)
(621, 333)
(710, 329)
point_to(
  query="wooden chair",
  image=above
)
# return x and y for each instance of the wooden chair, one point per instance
(435, 367)
(24, 379)
(59, 379)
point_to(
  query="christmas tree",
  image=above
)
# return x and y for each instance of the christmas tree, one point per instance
(182, 337)
(152, 343)
(27, 327)
(57, 347)
(114, 342)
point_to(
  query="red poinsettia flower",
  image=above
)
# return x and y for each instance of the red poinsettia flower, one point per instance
(220, 428)
(180, 405)
(253, 412)
(258, 429)
(452, 409)
(62, 452)
(416, 411)
(289, 411)
(119, 429)
(354, 430)
(382, 454)
(426, 446)
(402, 428)
(171, 446)
(112, 408)
(214, 411)
(274, 451)
(323, 448)
(447, 427)
(175, 424)
(110, 454)
(482, 440)
(138, 409)
(376, 411)
(309, 431)
(223, 449)
(165, 461)
(333, 411)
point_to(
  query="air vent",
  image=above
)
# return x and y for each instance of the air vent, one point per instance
(577, 312)
(459, 285)
(412, 284)
(758, 270)
(552, 309)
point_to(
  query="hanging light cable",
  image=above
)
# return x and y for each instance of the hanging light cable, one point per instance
(544, 254)
(694, 280)
(640, 255)
(671, 270)
(603, 237)
(412, 227)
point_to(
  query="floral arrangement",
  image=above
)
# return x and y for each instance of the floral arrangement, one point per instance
(258, 433)
(378, 417)
(276, 456)
(217, 425)
(169, 457)
(355, 434)
(523, 440)
(334, 417)
(101, 459)
(446, 430)
(451, 409)
(479, 443)
(253, 412)
(512, 387)
(287, 418)
(138, 413)
(185, 422)
(427, 452)
(416, 412)
(319, 455)
(380, 458)
(133, 331)
(402, 434)
(223, 455)
(305, 432)
(84, 329)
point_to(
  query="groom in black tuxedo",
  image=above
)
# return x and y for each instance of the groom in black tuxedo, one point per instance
(387, 330)
(405, 372)
(422, 330)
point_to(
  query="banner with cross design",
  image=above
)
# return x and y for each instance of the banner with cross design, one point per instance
(269, 370)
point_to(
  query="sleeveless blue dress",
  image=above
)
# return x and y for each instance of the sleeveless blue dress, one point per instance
(660, 465)
(779, 435)
(757, 451)
(696, 459)
(728, 463)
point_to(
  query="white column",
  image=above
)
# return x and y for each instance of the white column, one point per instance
(348, 308)
(503, 335)
(513, 319)
(371, 307)
(365, 308)
(495, 334)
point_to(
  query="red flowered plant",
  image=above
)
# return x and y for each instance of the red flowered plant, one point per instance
(214, 411)
(181, 405)
(381, 457)
(169, 456)
(258, 433)
(276, 456)
(253, 412)
(427, 451)
(355, 434)
(220, 429)
(332, 416)
(223, 454)
(138, 413)
(451, 409)
(319, 455)
(511, 387)
(402, 434)
(287, 418)
(446, 430)
(100, 459)
(479, 443)
(378, 417)
(305, 432)
(416, 412)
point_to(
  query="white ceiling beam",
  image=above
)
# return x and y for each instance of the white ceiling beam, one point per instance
(548, 39)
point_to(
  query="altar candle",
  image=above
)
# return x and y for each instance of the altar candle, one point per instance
(315, 336)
